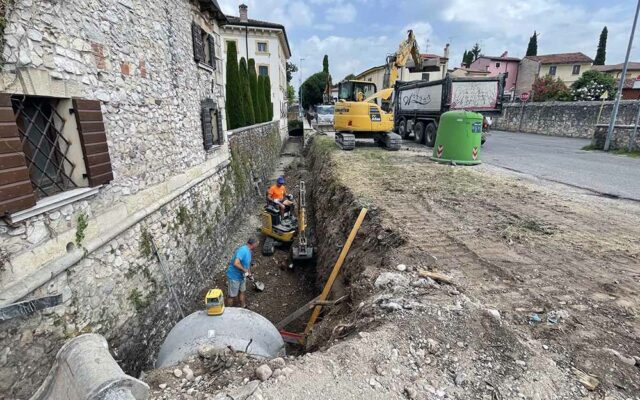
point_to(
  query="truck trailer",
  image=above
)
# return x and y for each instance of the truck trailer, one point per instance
(418, 105)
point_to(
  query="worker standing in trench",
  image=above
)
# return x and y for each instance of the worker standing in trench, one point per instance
(237, 273)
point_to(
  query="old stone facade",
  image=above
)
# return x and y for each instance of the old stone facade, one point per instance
(573, 119)
(96, 247)
(624, 137)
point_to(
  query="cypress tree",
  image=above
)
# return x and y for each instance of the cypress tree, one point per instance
(263, 98)
(464, 57)
(325, 64)
(601, 53)
(267, 94)
(253, 84)
(235, 115)
(532, 48)
(247, 102)
(260, 96)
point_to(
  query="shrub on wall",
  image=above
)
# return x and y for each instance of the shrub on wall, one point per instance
(549, 88)
(592, 84)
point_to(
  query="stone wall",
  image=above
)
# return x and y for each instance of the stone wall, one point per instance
(573, 119)
(120, 289)
(622, 135)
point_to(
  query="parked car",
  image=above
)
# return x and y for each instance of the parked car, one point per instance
(324, 114)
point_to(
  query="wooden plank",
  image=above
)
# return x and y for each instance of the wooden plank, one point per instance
(8, 129)
(89, 116)
(89, 127)
(297, 313)
(5, 100)
(11, 160)
(96, 148)
(12, 175)
(98, 158)
(10, 145)
(98, 169)
(336, 269)
(101, 179)
(9, 205)
(83, 104)
(435, 276)
(94, 137)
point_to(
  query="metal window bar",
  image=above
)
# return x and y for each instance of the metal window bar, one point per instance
(50, 144)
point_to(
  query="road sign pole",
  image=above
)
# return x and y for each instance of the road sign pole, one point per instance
(616, 105)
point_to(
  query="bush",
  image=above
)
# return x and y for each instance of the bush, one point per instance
(295, 124)
(549, 88)
(592, 84)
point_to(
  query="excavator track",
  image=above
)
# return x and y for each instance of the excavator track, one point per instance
(392, 141)
(346, 141)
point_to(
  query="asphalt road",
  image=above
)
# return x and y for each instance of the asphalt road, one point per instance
(562, 160)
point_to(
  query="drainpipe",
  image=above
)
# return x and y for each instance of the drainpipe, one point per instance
(246, 41)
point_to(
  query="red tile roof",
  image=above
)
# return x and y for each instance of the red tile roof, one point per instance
(562, 58)
(617, 67)
(430, 55)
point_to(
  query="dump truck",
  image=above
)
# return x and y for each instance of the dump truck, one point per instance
(418, 105)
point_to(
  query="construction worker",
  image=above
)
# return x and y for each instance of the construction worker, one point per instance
(237, 273)
(277, 195)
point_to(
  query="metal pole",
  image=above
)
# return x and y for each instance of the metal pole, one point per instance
(614, 112)
(632, 139)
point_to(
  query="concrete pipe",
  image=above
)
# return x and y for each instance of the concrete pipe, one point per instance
(237, 328)
(85, 370)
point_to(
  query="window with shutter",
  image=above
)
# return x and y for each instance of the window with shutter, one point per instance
(94, 141)
(212, 51)
(211, 124)
(198, 43)
(16, 192)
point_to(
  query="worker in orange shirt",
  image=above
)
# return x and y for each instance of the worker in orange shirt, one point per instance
(277, 195)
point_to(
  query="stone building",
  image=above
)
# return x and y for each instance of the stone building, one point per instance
(112, 147)
(268, 45)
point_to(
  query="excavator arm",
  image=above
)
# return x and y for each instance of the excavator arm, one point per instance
(408, 48)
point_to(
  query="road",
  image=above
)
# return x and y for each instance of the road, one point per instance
(562, 160)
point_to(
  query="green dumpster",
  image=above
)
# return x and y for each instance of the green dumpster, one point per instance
(458, 138)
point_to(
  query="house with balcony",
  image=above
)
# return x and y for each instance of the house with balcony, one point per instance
(566, 66)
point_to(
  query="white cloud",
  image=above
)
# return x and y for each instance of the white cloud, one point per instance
(342, 13)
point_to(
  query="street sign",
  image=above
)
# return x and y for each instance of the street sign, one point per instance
(524, 97)
(605, 95)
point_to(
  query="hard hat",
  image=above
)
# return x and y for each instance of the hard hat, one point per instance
(281, 180)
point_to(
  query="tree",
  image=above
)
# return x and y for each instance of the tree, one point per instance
(235, 114)
(247, 102)
(475, 51)
(532, 48)
(465, 56)
(468, 59)
(262, 99)
(312, 89)
(350, 77)
(549, 88)
(291, 69)
(592, 84)
(267, 97)
(601, 53)
(325, 64)
(291, 94)
(253, 85)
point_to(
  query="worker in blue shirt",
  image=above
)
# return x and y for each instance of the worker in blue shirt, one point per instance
(238, 271)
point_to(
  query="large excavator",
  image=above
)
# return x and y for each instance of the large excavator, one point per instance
(357, 113)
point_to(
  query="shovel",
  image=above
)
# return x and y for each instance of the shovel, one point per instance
(259, 286)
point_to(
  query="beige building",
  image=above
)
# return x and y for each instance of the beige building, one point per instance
(615, 70)
(566, 66)
(464, 72)
(373, 74)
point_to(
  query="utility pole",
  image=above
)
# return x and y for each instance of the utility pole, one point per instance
(616, 105)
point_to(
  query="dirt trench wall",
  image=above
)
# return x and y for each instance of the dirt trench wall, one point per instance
(335, 212)
(120, 291)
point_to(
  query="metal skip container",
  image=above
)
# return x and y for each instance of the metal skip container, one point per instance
(458, 139)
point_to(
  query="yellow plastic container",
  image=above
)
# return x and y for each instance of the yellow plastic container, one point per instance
(214, 301)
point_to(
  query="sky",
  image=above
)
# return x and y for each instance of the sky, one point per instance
(358, 34)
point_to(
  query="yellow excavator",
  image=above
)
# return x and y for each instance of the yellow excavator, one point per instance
(357, 113)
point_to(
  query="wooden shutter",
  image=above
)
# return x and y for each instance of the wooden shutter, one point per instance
(211, 42)
(94, 141)
(198, 44)
(207, 124)
(16, 191)
(220, 131)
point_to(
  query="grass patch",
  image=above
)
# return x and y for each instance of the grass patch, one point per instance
(82, 223)
(622, 152)
(591, 146)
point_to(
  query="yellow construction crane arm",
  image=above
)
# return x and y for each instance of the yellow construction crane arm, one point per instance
(408, 48)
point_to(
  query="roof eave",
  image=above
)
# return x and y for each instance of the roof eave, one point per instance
(213, 7)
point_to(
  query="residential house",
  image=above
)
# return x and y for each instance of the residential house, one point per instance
(631, 89)
(112, 155)
(373, 74)
(462, 72)
(566, 66)
(500, 65)
(268, 45)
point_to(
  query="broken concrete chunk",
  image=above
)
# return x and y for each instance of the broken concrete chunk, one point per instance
(277, 363)
(177, 372)
(263, 372)
(390, 279)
